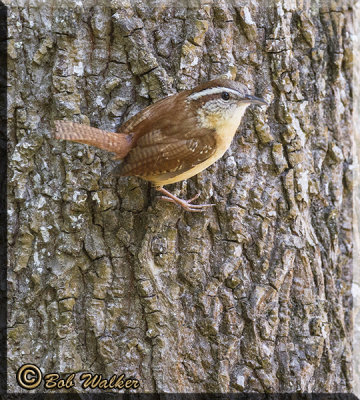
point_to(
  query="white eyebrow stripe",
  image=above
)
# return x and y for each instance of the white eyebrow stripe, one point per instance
(215, 90)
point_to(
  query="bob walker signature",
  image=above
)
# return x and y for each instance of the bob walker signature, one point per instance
(30, 377)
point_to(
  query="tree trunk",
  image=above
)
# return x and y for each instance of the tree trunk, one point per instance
(255, 294)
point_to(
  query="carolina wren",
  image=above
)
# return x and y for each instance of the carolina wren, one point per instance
(174, 138)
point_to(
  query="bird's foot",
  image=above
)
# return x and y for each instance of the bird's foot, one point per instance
(185, 204)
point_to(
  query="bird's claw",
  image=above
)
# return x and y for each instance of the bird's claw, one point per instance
(186, 204)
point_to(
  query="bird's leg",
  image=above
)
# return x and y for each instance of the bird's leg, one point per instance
(186, 204)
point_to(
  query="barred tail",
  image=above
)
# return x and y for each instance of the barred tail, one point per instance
(118, 143)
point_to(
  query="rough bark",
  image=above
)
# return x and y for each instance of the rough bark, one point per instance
(253, 295)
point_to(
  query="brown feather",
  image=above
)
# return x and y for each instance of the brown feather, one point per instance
(171, 155)
(118, 143)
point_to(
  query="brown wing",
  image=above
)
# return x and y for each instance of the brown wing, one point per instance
(160, 116)
(138, 120)
(156, 154)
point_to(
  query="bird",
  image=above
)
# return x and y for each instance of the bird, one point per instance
(174, 138)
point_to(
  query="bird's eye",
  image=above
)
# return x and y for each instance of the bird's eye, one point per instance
(225, 96)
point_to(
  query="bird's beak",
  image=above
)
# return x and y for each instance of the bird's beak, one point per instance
(255, 100)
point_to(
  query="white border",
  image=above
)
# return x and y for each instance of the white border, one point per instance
(356, 201)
